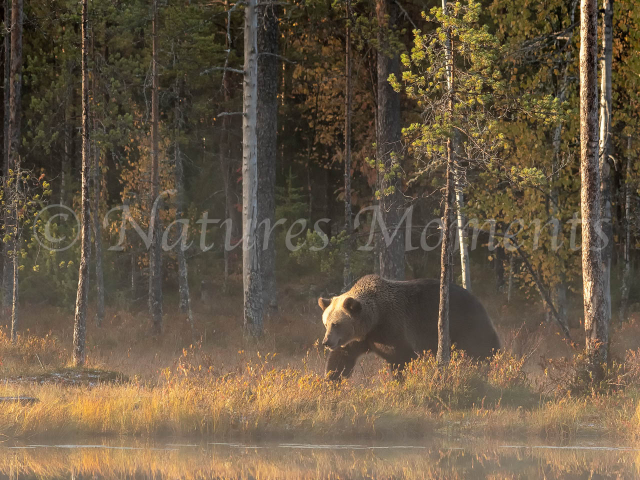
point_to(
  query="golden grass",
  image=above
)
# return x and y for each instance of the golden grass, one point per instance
(270, 401)
(218, 385)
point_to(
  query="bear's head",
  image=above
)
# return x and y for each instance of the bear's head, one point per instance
(341, 318)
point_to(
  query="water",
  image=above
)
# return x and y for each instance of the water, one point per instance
(438, 459)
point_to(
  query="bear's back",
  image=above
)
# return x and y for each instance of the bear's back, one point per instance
(470, 326)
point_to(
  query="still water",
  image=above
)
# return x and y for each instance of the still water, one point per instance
(438, 459)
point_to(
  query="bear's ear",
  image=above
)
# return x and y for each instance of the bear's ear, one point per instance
(352, 305)
(324, 303)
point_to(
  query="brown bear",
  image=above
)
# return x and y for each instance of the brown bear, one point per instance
(398, 320)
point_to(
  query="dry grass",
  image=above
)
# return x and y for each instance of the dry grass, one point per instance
(222, 385)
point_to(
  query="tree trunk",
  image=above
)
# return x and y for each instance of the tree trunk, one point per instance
(347, 276)
(253, 309)
(155, 257)
(462, 230)
(267, 133)
(595, 313)
(626, 275)
(15, 98)
(7, 272)
(444, 339)
(80, 323)
(388, 143)
(605, 149)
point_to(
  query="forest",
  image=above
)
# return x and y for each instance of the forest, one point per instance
(182, 180)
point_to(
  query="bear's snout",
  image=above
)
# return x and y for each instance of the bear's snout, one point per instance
(331, 341)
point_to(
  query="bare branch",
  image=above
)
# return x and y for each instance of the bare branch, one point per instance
(404, 12)
(280, 57)
(228, 114)
(226, 69)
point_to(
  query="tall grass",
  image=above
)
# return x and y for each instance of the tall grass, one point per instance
(264, 400)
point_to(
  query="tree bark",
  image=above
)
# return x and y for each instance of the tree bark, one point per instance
(462, 230)
(595, 313)
(605, 149)
(626, 273)
(155, 256)
(80, 321)
(253, 305)
(267, 133)
(388, 143)
(444, 339)
(348, 226)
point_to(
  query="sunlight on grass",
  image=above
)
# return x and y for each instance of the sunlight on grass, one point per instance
(264, 399)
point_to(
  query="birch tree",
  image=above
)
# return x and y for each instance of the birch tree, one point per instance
(155, 254)
(604, 150)
(82, 296)
(388, 143)
(253, 300)
(595, 306)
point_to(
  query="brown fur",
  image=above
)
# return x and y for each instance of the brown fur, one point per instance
(398, 320)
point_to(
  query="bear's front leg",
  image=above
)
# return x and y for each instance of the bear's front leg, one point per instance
(341, 360)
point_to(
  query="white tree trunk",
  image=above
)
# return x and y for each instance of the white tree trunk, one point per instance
(595, 314)
(462, 233)
(253, 301)
(605, 148)
(80, 321)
